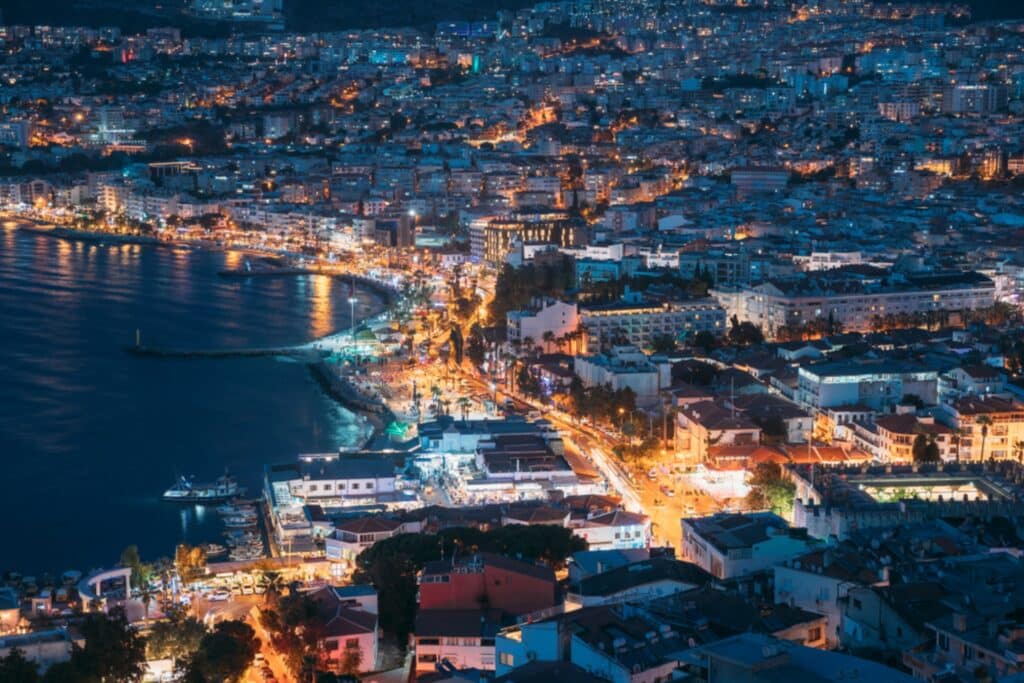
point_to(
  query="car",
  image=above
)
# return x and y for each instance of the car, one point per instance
(259, 659)
(219, 596)
(652, 474)
(667, 491)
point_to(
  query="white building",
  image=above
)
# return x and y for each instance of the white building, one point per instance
(623, 367)
(856, 302)
(616, 530)
(728, 546)
(354, 536)
(879, 385)
(549, 315)
(462, 637)
(640, 323)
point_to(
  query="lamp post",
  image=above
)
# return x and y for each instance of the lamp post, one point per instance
(352, 303)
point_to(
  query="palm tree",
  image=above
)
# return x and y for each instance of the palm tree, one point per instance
(275, 582)
(958, 437)
(985, 421)
(549, 338)
(528, 343)
(435, 392)
(146, 594)
(464, 404)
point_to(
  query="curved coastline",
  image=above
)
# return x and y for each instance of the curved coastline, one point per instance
(332, 385)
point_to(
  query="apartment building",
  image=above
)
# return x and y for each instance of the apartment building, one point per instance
(858, 300)
(990, 427)
(640, 323)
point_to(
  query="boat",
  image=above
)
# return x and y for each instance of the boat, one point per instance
(215, 549)
(186, 490)
(239, 522)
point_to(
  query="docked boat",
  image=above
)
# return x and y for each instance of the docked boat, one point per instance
(239, 522)
(230, 510)
(215, 549)
(186, 490)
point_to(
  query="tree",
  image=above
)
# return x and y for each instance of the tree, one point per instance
(958, 437)
(190, 561)
(527, 383)
(663, 343)
(141, 572)
(175, 638)
(464, 406)
(15, 668)
(224, 654)
(1018, 450)
(744, 333)
(769, 489)
(296, 628)
(549, 338)
(351, 661)
(705, 341)
(475, 348)
(925, 450)
(985, 421)
(113, 651)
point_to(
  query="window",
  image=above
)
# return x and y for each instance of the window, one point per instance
(506, 659)
(857, 604)
(429, 641)
(355, 485)
(944, 642)
(814, 634)
(427, 659)
(352, 644)
(331, 645)
(487, 642)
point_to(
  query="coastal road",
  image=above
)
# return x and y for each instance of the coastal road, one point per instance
(244, 608)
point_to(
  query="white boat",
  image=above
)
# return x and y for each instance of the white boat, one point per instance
(186, 490)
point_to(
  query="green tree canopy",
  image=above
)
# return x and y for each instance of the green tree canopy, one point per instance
(15, 668)
(224, 654)
(769, 489)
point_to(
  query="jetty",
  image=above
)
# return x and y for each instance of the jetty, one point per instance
(304, 352)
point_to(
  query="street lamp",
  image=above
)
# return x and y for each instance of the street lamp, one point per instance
(352, 303)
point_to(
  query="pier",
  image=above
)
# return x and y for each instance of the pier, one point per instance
(304, 352)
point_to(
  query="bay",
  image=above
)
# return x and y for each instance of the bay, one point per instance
(90, 436)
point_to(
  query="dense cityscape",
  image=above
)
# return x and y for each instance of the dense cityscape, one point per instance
(674, 340)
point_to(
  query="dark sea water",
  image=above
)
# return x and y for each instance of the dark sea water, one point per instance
(91, 436)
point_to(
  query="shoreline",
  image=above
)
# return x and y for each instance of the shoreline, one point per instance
(55, 231)
(381, 292)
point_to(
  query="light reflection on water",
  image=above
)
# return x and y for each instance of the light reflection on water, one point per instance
(90, 437)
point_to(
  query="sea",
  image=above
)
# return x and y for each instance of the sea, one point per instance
(91, 436)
